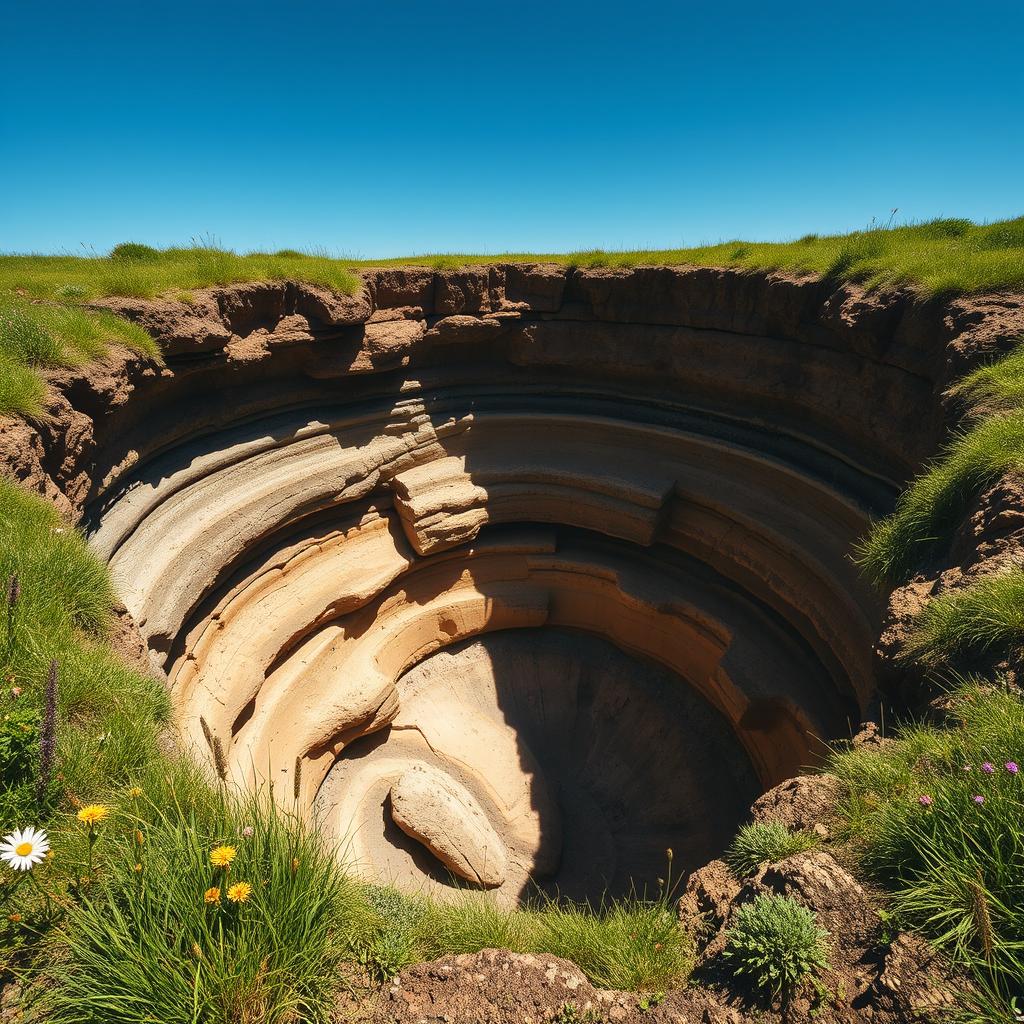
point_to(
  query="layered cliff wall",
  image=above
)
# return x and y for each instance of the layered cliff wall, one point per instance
(573, 546)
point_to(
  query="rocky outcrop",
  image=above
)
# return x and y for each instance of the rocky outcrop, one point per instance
(443, 816)
(498, 987)
(870, 974)
(361, 533)
(808, 803)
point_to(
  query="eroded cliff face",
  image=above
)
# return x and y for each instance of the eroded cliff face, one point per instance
(571, 545)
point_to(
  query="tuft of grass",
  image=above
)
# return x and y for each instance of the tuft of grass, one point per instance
(776, 944)
(764, 842)
(135, 252)
(111, 716)
(630, 944)
(144, 943)
(986, 618)
(996, 387)
(38, 336)
(929, 511)
(953, 864)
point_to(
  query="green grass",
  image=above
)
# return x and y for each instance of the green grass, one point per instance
(996, 387)
(764, 842)
(945, 256)
(633, 944)
(36, 337)
(41, 325)
(141, 944)
(930, 510)
(145, 274)
(985, 618)
(110, 715)
(954, 867)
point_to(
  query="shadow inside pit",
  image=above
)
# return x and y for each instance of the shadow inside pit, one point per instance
(614, 760)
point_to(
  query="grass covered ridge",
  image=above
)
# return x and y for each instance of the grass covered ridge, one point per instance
(34, 337)
(929, 511)
(943, 256)
(43, 324)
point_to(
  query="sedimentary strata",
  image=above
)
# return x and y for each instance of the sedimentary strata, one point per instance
(573, 544)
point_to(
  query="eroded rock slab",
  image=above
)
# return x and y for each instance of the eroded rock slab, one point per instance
(442, 815)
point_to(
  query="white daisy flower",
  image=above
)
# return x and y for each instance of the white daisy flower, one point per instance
(24, 848)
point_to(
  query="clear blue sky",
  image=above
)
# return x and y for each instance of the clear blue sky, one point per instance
(390, 127)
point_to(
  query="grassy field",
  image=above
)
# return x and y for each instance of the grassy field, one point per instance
(939, 257)
(946, 256)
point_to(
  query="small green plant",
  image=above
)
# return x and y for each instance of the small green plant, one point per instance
(776, 944)
(134, 251)
(385, 952)
(19, 740)
(649, 1001)
(570, 1013)
(764, 842)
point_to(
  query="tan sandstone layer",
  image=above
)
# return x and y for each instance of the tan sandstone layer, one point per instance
(349, 527)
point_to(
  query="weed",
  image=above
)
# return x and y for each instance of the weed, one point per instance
(985, 618)
(764, 842)
(775, 943)
(937, 825)
(570, 1013)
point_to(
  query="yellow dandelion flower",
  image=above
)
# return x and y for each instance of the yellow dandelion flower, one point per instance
(222, 856)
(135, 792)
(93, 814)
(138, 867)
(240, 892)
(212, 896)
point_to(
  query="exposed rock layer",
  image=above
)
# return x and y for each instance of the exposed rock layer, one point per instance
(318, 494)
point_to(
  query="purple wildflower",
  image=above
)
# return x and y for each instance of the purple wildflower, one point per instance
(978, 799)
(924, 800)
(988, 768)
(1011, 767)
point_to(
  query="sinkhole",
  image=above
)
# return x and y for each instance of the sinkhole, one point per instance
(516, 594)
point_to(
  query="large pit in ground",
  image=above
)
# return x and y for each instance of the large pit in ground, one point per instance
(517, 573)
